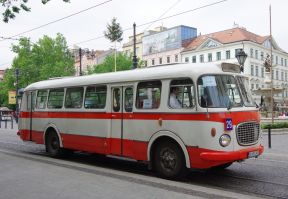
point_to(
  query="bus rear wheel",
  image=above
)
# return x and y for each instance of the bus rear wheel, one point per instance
(169, 161)
(53, 144)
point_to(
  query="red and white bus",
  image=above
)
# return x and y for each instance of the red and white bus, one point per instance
(128, 114)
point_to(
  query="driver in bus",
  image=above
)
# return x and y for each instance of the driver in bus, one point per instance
(174, 102)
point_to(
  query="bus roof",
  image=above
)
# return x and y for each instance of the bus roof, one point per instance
(151, 73)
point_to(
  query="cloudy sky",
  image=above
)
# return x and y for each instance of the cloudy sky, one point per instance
(89, 25)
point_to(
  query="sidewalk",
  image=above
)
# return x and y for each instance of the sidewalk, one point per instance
(9, 124)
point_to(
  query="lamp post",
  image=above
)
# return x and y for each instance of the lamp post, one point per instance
(16, 84)
(134, 59)
(241, 58)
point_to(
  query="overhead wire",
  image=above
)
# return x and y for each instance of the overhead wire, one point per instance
(159, 19)
(57, 20)
(166, 11)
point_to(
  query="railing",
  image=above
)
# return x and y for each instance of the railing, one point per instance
(5, 118)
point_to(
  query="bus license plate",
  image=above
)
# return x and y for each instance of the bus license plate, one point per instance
(253, 154)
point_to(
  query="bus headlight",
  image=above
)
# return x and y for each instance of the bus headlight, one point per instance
(225, 140)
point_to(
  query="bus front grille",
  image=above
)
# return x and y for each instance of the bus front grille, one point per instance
(247, 133)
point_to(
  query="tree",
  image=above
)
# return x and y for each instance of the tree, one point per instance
(13, 7)
(124, 63)
(114, 34)
(40, 61)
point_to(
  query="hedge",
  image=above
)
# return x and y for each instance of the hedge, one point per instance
(275, 125)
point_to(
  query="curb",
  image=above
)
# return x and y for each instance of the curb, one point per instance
(276, 131)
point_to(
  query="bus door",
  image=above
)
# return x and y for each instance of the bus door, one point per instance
(122, 105)
(31, 97)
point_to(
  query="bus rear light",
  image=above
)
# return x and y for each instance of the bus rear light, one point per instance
(224, 140)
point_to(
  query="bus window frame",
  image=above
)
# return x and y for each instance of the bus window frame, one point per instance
(193, 101)
(137, 95)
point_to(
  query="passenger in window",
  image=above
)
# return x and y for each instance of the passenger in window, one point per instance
(174, 102)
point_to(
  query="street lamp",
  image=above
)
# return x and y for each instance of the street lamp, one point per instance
(16, 84)
(241, 57)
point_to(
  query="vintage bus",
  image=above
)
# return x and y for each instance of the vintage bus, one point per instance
(128, 114)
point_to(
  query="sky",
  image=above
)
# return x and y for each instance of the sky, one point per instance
(250, 14)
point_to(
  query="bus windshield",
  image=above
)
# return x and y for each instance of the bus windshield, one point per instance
(246, 94)
(219, 91)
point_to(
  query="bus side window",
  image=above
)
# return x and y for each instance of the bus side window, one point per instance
(128, 99)
(55, 99)
(95, 97)
(116, 99)
(148, 95)
(74, 97)
(181, 94)
(41, 99)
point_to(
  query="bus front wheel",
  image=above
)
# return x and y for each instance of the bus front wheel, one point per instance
(169, 160)
(53, 144)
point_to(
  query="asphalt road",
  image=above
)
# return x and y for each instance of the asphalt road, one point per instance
(26, 170)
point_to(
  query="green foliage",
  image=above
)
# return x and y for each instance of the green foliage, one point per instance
(11, 7)
(124, 62)
(40, 61)
(279, 125)
(114, 31)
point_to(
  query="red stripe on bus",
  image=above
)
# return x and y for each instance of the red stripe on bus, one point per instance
(199, 157)
(237, 117)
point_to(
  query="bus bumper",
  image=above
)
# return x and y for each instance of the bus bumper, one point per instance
(234, 155)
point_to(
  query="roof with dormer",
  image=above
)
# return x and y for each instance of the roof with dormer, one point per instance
(229, 36)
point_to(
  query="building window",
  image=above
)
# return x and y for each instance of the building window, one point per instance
(282, 76)
(257, 86)
(186, 59)
(252, 86)
(282, 63)
(273, 74)
(218, 55)
(252, 70)
(237, 50)
(227, 54)
(251, 53)
(277, 74)
(262, 56)
(256, 71)
(160, 60)
(209, 57)
(285, 62)
(168, 60)
(176, 58)
(153, 62)
(256, 54)
(276, 59)
(262, 71)
(286, 76)
(194, 59)
(201, 58)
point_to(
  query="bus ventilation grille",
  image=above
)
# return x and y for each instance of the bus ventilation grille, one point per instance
(248, 133)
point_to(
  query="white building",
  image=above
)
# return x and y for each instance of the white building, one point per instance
(222, 46)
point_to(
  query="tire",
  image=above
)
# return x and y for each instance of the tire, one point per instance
(169, 161)
(53, 145)
(222, 166)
